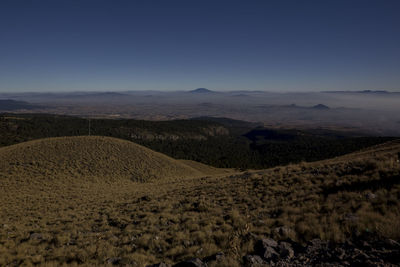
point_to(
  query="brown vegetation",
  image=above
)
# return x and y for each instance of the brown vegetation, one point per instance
(60, 209)
(90, 157)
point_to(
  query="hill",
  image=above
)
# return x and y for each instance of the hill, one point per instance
(320, 107)
(201, 91)
(85, 157)
(327, 211)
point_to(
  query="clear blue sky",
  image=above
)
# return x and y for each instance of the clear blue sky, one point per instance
(181, 45)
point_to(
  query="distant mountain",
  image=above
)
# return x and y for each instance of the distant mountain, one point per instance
(359, 92)
(201, 91)
(109, 94)
(9, 104)
(240, 95)
(293, 106)
(95, 94)
(247, 92)
(320, 106)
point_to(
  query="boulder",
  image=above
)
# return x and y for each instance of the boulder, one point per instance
(265, 248)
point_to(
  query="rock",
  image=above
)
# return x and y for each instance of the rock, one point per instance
(216, 257)
(269, 242)
(365, 244)
(196, 262)
(363, 256)
(114, 261)
(265, 249)
(340, 253)
(161, 264)
(283, 232)
(285, 250)
(370, 196)
(37, 259)
(253, 261)
(145, 198)
(35, 236)
(317, 243)
(370, 263)
(199, 251)
(392, 244)
(270, 254)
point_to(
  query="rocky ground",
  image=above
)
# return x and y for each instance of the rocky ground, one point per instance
(268, 252)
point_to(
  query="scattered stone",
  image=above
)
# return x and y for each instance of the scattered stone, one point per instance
(114, 261)
(340, 253)
(253, 261)
(161, 264)
(283, 232)
(265, 249)
(316, 245)
(370, 196)
(35, 236)
(285, 250)
(269, 242)
(364, 251)
(392, 244)
(216, 257)
(196, 262)
(365, 244)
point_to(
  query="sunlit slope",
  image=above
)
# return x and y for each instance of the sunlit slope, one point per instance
(58, 207)
(205, 169)
(83, 157)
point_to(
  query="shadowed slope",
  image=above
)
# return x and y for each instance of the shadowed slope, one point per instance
(101, 157)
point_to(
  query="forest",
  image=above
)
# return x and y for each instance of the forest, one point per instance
(218, 142)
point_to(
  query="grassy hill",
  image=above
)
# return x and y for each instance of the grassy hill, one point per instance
(97, 157)
(55, 212)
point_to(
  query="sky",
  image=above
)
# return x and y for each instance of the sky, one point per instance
(281, 45)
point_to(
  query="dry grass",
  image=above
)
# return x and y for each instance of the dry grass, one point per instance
(87, 221)
(77, 157)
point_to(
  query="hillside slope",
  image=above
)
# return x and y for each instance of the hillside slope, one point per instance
(82, 157)
(346, 207)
